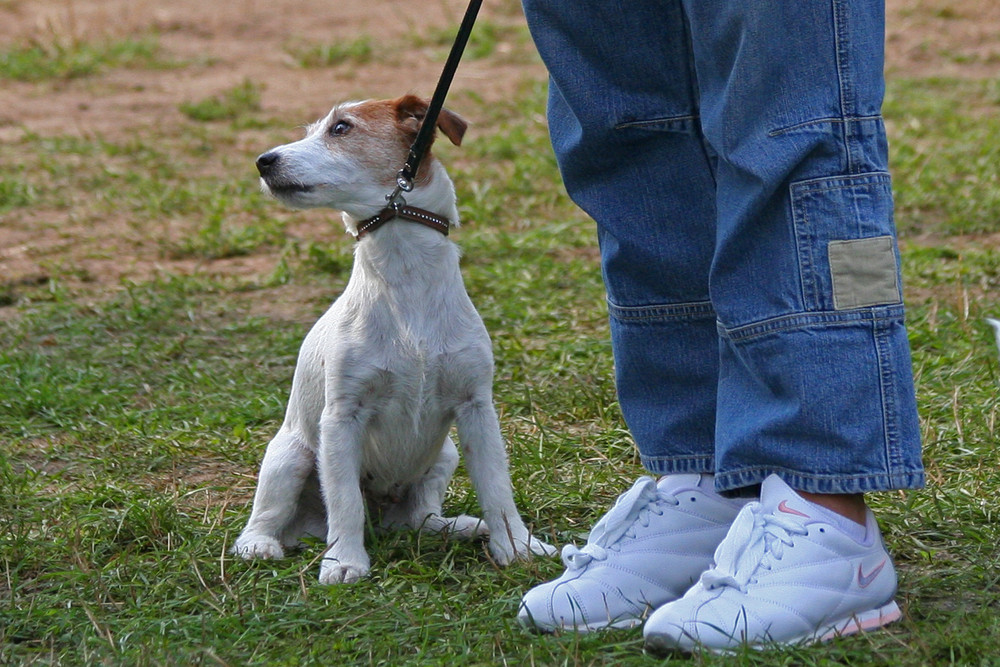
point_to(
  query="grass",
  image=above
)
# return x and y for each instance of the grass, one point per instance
(945, 158)
(15, 194)
(503, 41)
(486, 40)
(78, 58)
(359, 51)
(133, 415)
(228, 105)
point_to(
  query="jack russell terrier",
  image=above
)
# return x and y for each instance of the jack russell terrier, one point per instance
(398, 359)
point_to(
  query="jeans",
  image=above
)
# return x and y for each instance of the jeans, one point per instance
(734, 157)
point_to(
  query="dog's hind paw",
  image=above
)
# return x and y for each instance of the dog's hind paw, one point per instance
(466, 527)
(463, 526)
(505, 551)
(258, 546)
(540, 548)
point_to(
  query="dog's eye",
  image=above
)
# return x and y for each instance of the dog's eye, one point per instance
(340, 127)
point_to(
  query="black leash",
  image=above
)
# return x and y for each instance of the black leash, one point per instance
(404, 179)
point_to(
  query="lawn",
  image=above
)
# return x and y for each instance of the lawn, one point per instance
(146, 357)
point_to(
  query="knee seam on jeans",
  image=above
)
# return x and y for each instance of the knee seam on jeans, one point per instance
(695, 310)
(822, 123)
(874, 315)
(682, 123)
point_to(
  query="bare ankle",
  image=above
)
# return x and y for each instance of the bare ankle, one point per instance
(849, 505)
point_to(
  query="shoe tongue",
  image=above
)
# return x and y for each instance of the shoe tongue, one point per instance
(673, 483)
(626, 509)
(778, 498)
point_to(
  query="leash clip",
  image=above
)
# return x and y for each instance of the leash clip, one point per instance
(395, 199)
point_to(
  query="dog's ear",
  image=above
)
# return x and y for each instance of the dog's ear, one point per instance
(410, 110)
(452, 126)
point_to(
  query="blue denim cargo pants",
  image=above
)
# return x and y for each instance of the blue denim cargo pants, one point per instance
(734, 157)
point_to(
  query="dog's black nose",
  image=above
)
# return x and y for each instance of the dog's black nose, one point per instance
(266, 162)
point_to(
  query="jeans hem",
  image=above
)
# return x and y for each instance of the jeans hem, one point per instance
(815, 483)
(677, 312)
(676, 465)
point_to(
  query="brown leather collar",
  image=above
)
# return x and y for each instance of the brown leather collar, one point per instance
(411, 213)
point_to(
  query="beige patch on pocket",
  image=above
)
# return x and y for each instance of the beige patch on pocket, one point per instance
(864, 273)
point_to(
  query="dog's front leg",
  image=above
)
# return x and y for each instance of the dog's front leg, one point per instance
(486, 461)
(341, 443)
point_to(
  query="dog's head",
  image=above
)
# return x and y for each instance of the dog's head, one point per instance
(349, 159)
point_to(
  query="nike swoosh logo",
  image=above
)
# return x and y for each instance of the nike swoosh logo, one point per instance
(783, 507)
(864, 580)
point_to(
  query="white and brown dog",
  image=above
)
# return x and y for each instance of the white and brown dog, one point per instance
(398, 359)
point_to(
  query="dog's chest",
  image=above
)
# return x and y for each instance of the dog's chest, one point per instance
(408, 399)
(401, 355)
(402, 385)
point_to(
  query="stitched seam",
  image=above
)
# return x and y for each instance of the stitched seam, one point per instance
(669, 120)
(678, 311)
(843, 75)
(904, 478)
(694, 458)
(822, 121)
(804, 246)
(842, 182)
(806, 320)
(890, 410)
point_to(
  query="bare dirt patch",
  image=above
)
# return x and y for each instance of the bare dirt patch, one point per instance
(223, 44)
(943, 38)
(205, 49)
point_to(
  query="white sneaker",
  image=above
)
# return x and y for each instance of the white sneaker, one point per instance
(648, 550)
(783, 575)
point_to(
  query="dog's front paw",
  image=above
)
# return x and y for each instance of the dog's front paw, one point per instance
(258, 546)
(338, 572)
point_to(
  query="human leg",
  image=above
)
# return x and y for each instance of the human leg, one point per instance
(624, 125)
(623, 120)
(815, 385)
(815, 381)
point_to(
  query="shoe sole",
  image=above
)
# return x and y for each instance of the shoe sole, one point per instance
(622, 624)
(869, 620)
(860, 622)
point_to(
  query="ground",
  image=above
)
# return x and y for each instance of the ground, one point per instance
(152, 300)
(206, 49)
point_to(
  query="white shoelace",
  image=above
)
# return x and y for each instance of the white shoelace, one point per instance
(635, 506)
(754, 535)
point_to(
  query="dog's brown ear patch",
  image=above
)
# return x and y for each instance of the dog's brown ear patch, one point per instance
(452, 126)
(410, 110)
